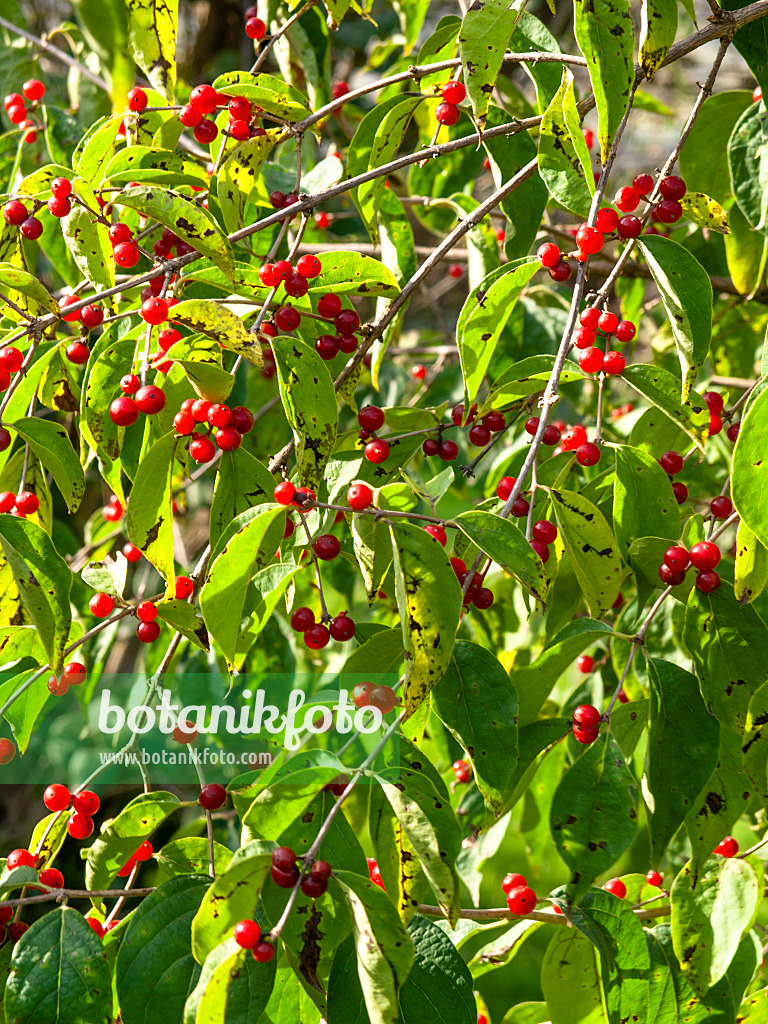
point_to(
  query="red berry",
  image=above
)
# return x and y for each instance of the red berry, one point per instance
(521, 900)
(607, 220)
(548, 254)
(205, 133)
(70, 300)
(201, 449)
(727, 847)
(359, 497)
(560, 272)
(551, 436)
(101, 605)
(228, 438)
(585, 338)
(317, 636)
(520, 508)
(205, 97)
(59, 207)
(504, 487)
(512, 881)
(707, 581)
(126, 255)
(626, 199)
(454, 92)
(27, 503)
(77, 352)
(16, 929)
(617, 887)
(462, 771)
(591, 360)
(57, 797)
(419, 371)
(588, 454)
(383, 697)
(302, 620)
(212, 797)
(263, 952)
(150, 399)
(680, 491)
(479, 435)
(714, 400)
(669, 211)
(184, 588)
(326, 547)
(287, 318)
(80, 826)
(377, 451)
(585, 734)
(672, 187)
(705, 555)
(671, 463)
(721, 507)
(154, 311)
(86, 802)
(613, 363)
(19, 859)
(715, 424)
(241, 419)
(309, 266)
(329, 306)
(371, 418)
(542, 550)
(589, 317)
(625, 330)
(733, 431)
(92, 316)
(255, 29)
(629, 226)
(455, 270)
(31, 228)
(642, 184)
(296, 286)
(17, 114)
(11, 359)
(653, 877)
(574, 438)
(342, 628)
(147, 632)
(447, 113)
(544, 532)
(448, 451)
(677, 558)
(52, 877)
(33, 89)
(437, 532)
(346, 322)
(589, 239)
(587, 714)
(495, 421)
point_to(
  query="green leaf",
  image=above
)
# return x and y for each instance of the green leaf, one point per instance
(711, 907)
(593, 818)
(670, 993)
(750, 469)
(149, 519)
(401, 871)
(751, 41)
(682, 750)
(265, 591)
(591, 547)
(611, 924)
(384, 949)
(50, 443)
(384, 147)
(724, 640)
(240, 175)
(108, 575)
(533, 682)
(751, 573)
(184, 619)
(346, 272)
(122, 836)
(506, 544)
(755, 743)
(644, 503)
(432, 828)
(192, 224)
(662, 389)
(189, 856)
(439, 46)
(429, 600)
(88, 239)
(59, 965)
(476, 701)
(528, 377)
(748, 164)
(201, 358)
(231, 898)
(154, 166)
(155, 968)
(152, 41)
(658, 27)
(569, 965)
(686, 292)
(705, 168)
(725, 797)
(271, 94)
(743, 251)
(111, 357)
(603, 30)
(484, 316)
(533, 35)
(222, 325)
(26, 285)
(306, 390)
(485, 32)
(44, 581)
(241, 483)
(248, 548)
(233, 988)
(564, 162)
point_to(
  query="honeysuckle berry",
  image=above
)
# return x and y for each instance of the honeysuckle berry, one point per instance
(544, 531)
(19, 859)
(672, 187)
(212, 796)
(247, 934)
(707, 581)
(255, 29)
(548, 254)
(326, 547)
(101, 605)
(383, 697)
(705, 555)
(542, 550)
(479, 435)
(342, 628)
(447, 113)
(80, 826)
(627, 199)
(317, 636)
(263, 952)
(589, 239)
(448, 450)
(302, 620)
(607, 220)
(680, 491)
(613, 363)
(27, 503)
(585, 663)
(77, 352)
(715, 424)
(629, 226)
(33, 90)
(617, 887)
(52, 877)
(377, 451)
(57, 797)
(591, 360)
(727, 847)
(31, 228)
(642, 184)
(150, 399)
(672, 463)
(561, 271)
(462, 771)
(137, 100)
(521, 900)
(126, 255)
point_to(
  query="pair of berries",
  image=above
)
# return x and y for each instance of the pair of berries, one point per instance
(247, 935)
(543, 533)
(295, 281)
(504, 488)
(366, 695)
(704, 556)
(72, 674)
(480, 432)
(462, 772)
(143, 853)
(446, 450)
(448, 113)
(586, 723)
(316, 634)
(521, 899)
(23, 504)
(715, 403)
(148, 399)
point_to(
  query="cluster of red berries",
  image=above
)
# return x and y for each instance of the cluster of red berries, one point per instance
(478, 595)
(593, 359)
(667, 211)
(23, 504)
(33, 91)
(317, 634)
(285, 873)
(226, 425)
(203, 100)
(448, 112)
(72, 674)
(247, 935)
(112, 512)
(521, 899)
(50, 877)
(84, 805)
(704, 556)
(143, 853)
(366, 695)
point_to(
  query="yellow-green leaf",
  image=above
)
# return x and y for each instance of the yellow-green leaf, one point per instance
(152, 41)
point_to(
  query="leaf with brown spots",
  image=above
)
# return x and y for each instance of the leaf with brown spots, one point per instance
(401, 872)
(429, 600)
(152, 41)
(220, 324)
(564, 162)
(485, 32)
(51, 444)
(751, 574)
(240, 176)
